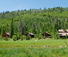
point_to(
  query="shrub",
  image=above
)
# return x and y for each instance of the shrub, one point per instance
(28, 37)
(57, 36)
(6, 39)
(50, 36)
(14, 38)
(66, 37)
(36, 36)
(24, 37)
(44, 37)
(0, 37)
(39, 37)
(17, 35)
(21, 37)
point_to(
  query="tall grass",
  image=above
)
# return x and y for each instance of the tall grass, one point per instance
(34, 52)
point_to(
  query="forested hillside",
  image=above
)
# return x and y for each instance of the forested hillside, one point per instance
(36, 21)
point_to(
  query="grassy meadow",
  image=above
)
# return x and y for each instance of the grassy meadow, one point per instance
(34, 52)
(33, 42)
(39, 48)
(22, 48)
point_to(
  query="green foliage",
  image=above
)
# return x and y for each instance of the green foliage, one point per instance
(21, 28)
(39, 37)
(17, 36)
(66, 37)
(50, 36)
(34, 52)
(44, 37)
(56, 35)
(22, 37)
(0, 37)
(36, 36)
(6, 39)
(34, 20)
(14, 38)
(28, 37)
(11, 31)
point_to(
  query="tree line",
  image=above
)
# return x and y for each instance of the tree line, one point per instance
(36, 21)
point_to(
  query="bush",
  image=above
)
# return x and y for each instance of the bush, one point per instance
(6, 39)
(50, 36)
(24, 37)
(44, 37)
(17, 35)
(21, 37)
(57, 36)
(36, 36)
(14, 38)
(39, 37)
(66, 37)
(28, 37)
(0, 37)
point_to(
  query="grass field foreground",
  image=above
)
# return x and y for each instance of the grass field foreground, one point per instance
(33, 42)
(34, 52)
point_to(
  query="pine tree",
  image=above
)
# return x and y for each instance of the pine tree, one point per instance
(11, 33)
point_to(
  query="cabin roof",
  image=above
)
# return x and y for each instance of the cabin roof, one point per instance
(29, 33)
(46, 33)
(61, 30)
(63, 34)
(7, 33)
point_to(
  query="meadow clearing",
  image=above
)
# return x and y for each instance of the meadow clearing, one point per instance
(33, 42)
(34, 48)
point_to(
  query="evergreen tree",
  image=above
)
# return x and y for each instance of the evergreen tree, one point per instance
(11, 33)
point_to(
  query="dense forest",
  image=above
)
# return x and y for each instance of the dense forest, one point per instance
(36, 21)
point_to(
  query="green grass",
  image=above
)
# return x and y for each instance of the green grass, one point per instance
(22, 48)
(34, 52)
(38, 43)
